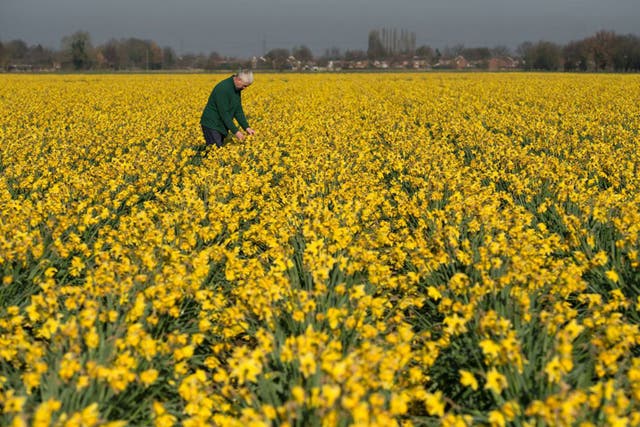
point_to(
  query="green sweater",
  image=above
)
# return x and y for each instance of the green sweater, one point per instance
(223, 106)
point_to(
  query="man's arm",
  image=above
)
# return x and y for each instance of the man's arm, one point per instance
(225, 114)
(242, 119)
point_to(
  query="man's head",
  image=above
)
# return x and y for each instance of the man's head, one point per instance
(243, 79)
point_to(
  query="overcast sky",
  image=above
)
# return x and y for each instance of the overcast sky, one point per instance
(245, 27)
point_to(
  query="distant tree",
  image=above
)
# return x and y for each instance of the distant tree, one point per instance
(453, 51)
(17, 50)
(278, 58)
(168, 57)
(542, 55)
(408, 45)
(355, 55)
(389, 43)
(527, 53)
(109, 52)
(40, 57)
(479, 55)
(154, 56)
(634, 52)
(549, 56)
(476, 53)
(333, 53)
(233, 64)
(375, 49)
(425, 52)
(131, 53)
(137, 53)
(602, 46)
(576, 56)
(79, 50)
(213, 61)
(524, 49)
(500, 51)
(386, 37)
(192, 61)
(626, 53)
(302, 53)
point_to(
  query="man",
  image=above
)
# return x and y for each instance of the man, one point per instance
(223, 107)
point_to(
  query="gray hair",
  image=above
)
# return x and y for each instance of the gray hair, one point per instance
(246, 76)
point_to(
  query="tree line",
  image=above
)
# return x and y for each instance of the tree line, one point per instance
(603, 51)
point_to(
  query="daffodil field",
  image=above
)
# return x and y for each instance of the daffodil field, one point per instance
(408, 249)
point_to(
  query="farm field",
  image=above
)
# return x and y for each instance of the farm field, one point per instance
(389, 249)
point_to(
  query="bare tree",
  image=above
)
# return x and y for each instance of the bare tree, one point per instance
(602, 49)
(425, 52)
(355, 55)
(168, 57)
(278, 58)
(333, 53)
(576, 56)
(626, 53)
(302, 53)
(79, 49)
(376, 49)
(213, 61)
(15, 52)
(110, 54)
(40, 57)
(191, 60)
(543, 55)
(500, 51)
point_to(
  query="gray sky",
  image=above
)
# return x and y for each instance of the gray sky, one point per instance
(243, 27)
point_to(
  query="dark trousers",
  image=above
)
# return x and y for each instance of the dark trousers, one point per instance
(212, 136)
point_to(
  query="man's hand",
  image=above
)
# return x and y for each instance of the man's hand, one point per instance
(240, 136)
(250, 131)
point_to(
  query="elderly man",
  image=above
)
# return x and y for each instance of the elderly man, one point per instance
(223, 107)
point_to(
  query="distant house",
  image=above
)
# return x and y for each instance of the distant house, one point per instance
(380, 64)
(459, 63)
(502, 63)
(335, 65)
(293, 63)
(20, 67)
(418, 63)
